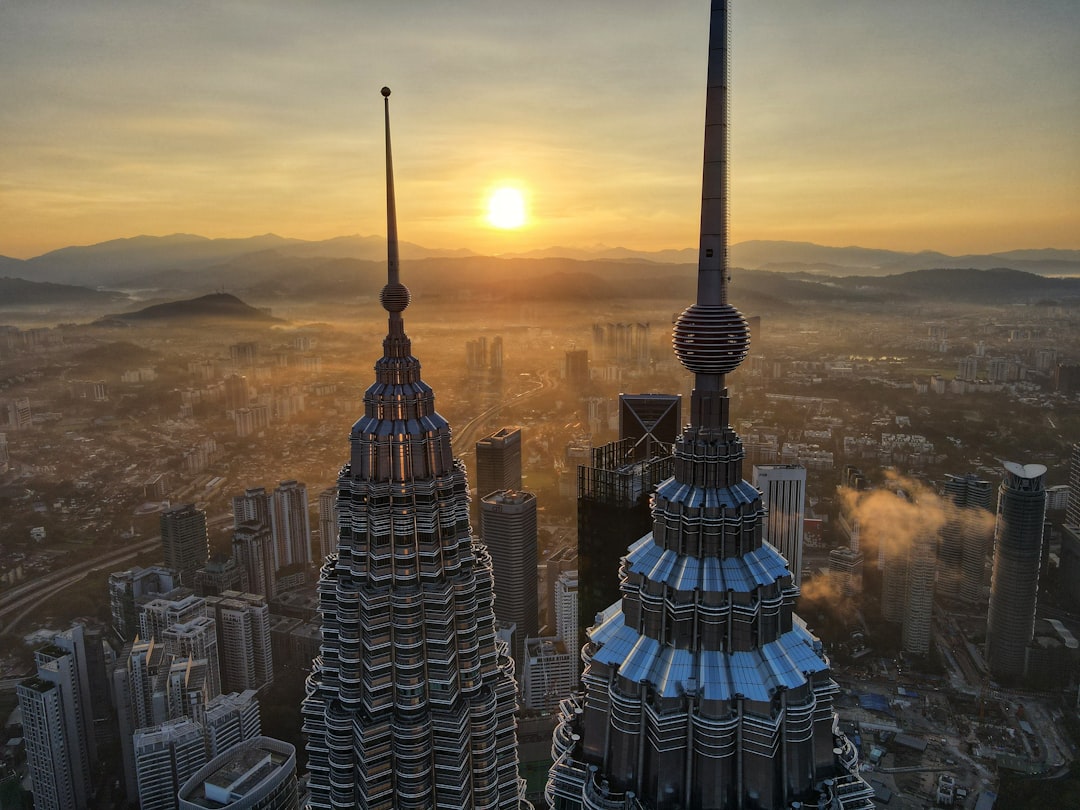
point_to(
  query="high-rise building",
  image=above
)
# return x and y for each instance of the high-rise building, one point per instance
(252, 506)
(253, 548)
(1014, 585)
(702, 689)
(259, 774)
(328, 523)
(58, 730)
(783, 494)
(243, 627)
(651, 422)
(498, 461)
(185, 541)
(1072, 506)
(546, 673)
(612, 505)
(291, 524)
(1070, 535)
(220, 573)
(510, 534)
(919, 605)
(567, 621)
(576, 366)
(161, 613)
(166, 756)
(197, 639)
(59, 776)
(410, 704)
(229, 720)
(964, 542)
(846, 568)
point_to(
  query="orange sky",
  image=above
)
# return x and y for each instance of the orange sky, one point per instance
(915, 125)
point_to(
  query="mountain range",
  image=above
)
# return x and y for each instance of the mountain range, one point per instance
(144, 261)
(269, 271)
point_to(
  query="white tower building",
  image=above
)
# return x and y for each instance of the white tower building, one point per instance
(783, 494)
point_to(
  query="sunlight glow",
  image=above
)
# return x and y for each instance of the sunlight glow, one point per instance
(506, 208)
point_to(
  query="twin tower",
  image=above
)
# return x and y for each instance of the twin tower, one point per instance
(701, 689)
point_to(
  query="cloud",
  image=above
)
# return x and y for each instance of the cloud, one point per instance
(905, 511)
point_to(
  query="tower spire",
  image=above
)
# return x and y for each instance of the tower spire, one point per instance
(711, 337)
(713, 248)
(395, 295)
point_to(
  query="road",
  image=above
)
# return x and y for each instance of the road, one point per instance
(21, 601)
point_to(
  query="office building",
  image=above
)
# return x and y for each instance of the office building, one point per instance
(231, 719)
(612, 505)
(259, 774)
(576, 366)
(919, 603)
(243, 627)
(965, 540)
(783, 494)
(411, 702)
(1014, 583)
(166, 756)
(702, 689)
(291, 525)
(220, 573)
(498, 461)
(510, 534)
(846, 569)
(1072, 505)
(159, 614)
(197, 639)
(253, 548)
(567, 620)
(184, 540)
(546, 673)
(1070, 535)
(328, 523)
(651, 422)
(252, 506)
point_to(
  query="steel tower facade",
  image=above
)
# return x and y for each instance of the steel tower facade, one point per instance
(701, 688)
(1014, 585)
(411, 701)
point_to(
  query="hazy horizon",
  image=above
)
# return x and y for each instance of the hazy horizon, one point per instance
(915, 126)
(467, 251)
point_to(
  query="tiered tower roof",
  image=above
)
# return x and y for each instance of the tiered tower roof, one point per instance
(702, 689)
(411, 701)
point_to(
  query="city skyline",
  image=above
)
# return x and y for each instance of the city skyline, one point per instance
(927, 127)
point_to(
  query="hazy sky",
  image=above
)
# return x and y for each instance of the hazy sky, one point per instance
(951, 125)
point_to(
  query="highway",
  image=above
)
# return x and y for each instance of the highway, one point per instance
(18, 603)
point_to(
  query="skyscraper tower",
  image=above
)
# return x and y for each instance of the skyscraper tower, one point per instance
(1014, 586)
(612, 506)
(510, 534)
(291, 524)
(964, 543)
(783, 493)
(185, 541)
(498, 461)
(702, 689)
(328, 523)
(253, 505)
(410, 704)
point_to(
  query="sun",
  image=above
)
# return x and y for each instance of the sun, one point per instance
(506, 208)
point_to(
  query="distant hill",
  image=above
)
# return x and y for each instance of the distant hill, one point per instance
(969, 285)
(113, 358)
(185, 263)
(218, 308)
(18, 292)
